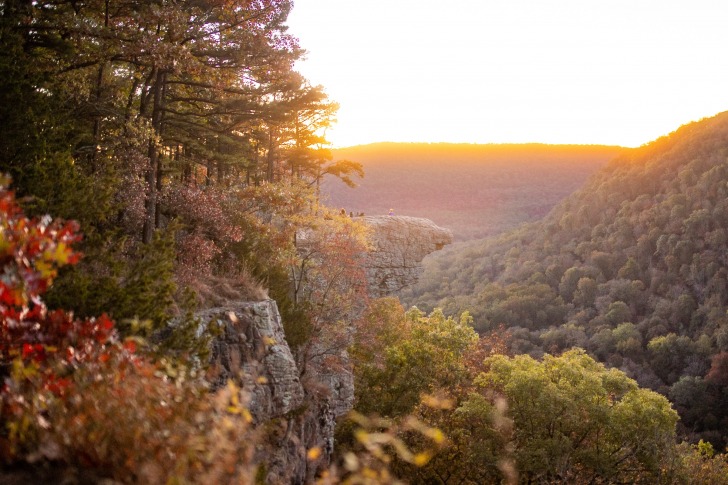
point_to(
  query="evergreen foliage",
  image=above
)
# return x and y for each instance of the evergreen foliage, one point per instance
(179, 137)
(176, 133)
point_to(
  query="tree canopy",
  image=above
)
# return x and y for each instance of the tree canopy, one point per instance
(175, 133)
(632, 268)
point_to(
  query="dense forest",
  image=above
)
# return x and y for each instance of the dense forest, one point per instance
(177, 134)
(632, 268)
(184, 151)
(162, 157)
(474, 190)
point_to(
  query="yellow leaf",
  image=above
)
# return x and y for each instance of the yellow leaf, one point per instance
(313, 453)
(351, 462)
(61, 253)
(361, 436)
(45, 269)
(369, 473)
(421, 459)
(436, 435)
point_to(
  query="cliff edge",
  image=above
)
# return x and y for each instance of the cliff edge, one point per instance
(300, 412)
(399, 244)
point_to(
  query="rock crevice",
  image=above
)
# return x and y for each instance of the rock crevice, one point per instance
(252, 351)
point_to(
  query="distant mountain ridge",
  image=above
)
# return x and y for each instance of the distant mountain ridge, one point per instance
(474, 190)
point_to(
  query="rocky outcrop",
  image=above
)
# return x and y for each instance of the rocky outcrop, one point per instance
(399, 244)
(252, 351)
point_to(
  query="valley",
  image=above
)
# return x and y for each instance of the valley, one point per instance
(474, 190)
(630, 267)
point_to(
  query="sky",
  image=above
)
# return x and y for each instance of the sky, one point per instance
(616, 72)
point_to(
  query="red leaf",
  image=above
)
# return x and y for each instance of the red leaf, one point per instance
(27, 350)
(130, 346)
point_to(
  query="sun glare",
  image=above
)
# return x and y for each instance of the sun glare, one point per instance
(476, 71)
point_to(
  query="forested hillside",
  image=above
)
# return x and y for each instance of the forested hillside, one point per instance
(186, 149)
(159, 126)
(474, 190)
(632, 268)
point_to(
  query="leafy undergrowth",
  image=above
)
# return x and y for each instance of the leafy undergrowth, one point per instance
(78, 396)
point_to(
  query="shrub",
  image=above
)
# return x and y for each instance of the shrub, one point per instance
(79, 396)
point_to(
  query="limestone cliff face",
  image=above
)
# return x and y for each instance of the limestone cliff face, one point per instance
(399, 243)
(253, 352)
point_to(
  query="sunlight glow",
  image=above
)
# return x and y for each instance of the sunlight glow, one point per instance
(489, 71)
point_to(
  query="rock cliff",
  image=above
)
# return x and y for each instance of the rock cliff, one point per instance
(252, 351)
(399, 243)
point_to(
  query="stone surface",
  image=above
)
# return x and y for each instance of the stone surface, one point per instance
(252, 351)
(399, 244)
(338, 381)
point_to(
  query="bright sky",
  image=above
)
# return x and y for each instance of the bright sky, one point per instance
(620, 72)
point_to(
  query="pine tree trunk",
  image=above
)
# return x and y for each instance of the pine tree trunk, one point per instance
(271, 157)
(152, 173)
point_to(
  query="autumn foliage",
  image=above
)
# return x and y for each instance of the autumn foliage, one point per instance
(77, 395)
(32, 251)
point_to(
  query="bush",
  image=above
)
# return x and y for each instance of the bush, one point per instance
(79, 396)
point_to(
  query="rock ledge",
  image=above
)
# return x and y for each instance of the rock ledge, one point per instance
(399, 244)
